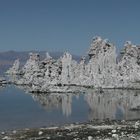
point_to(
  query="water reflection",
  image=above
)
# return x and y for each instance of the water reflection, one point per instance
(54, 100)
(111, 104)
(2, 87)
(114, 104)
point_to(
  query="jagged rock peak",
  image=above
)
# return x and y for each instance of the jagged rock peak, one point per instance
(130, 49)
(67, 55)
(97, 39)
(15, 68)
(99, 45)
(48, 57)
(34, 56)
(127, 43)
(83, 58)
(16, 64)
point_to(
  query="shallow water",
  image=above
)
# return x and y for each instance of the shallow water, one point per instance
(19, 109)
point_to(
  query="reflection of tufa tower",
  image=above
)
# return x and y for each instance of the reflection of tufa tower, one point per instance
(66, 104)
(63, 101)
(113, 104)
(103, 104)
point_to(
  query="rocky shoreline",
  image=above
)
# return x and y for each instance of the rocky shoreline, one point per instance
(107, 130)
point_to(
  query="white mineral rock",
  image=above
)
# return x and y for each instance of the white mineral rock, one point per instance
(67, 72)
(128, 67)
(90, 138)
(115, 136)
(6, 138)
(102, 63)
(15, 68)
(137, 124)
(113, 131)
(101, 70)
(40, 133)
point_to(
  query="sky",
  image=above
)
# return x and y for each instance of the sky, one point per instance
(67, 25)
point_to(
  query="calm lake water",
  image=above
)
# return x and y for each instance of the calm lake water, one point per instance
(19, 109)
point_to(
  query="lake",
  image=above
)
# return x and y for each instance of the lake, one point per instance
(20, 109)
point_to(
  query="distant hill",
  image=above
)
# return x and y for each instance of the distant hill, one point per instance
(7, 58)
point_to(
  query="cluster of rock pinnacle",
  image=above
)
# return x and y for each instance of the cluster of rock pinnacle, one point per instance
(100, 70)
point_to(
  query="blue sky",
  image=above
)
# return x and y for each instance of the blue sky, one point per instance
(67, 25)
